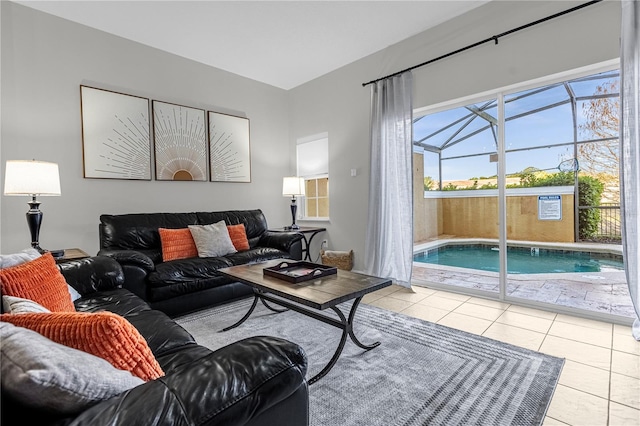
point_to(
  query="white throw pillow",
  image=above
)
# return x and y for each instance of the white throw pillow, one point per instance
(18, 305)
(46, 375)
(212, 240)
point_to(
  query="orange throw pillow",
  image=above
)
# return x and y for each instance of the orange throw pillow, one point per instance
(238, 236)
(39, 280)
(177, 244)
(103, 334)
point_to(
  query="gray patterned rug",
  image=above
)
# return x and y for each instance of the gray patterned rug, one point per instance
(421, 374)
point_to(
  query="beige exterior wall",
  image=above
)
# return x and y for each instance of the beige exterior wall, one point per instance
(477, 217)
(427, 213)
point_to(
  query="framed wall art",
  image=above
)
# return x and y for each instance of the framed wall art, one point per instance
(115, 135)
(229, 150)
(180, 138)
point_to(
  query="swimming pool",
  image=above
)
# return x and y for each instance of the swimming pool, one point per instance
(520, 260)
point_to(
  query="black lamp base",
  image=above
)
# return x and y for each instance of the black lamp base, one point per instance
(294, 208)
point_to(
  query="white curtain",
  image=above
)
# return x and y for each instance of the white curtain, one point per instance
(389, 241)
(629, 145)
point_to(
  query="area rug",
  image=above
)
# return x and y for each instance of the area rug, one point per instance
(422, 373)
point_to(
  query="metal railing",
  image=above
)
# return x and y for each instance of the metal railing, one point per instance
(610, 224)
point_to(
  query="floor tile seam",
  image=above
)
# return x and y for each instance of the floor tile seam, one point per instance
(625, 375)
(582, 325)
(405, 300)
(637, 377)
(559, 421)
(474, 316)
(584, 343)
(532, 315)
(625, 405)
(625, 351)
(584, 391)
(610, 331)
(480, 304)
(593, 366)
(458, 313)
(523, 328)
(484, 306)
(579, 341)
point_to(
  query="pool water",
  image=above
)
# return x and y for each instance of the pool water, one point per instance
(520, 260)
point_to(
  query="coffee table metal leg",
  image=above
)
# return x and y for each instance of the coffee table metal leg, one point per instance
(347, 329)
(244, 318)
(264, 302)
(338, 351)
(351, 334)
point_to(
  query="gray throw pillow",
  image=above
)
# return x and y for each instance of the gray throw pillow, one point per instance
(18, 305)
(46, 375)
(212, 240)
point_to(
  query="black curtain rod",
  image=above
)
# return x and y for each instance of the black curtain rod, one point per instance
(493, 38)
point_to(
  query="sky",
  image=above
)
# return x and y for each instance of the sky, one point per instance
(553, 126)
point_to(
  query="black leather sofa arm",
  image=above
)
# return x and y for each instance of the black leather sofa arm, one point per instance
(230, 386)
(280, 240)
(93, 274)
(130, 257)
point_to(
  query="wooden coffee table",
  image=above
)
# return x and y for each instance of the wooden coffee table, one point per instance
(309, 298)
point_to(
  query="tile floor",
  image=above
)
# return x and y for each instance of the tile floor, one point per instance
(600, 381)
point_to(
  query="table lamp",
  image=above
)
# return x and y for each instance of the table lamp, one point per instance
(293, 186)
(32, 178)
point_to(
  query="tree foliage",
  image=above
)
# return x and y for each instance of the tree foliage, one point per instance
(602, 119)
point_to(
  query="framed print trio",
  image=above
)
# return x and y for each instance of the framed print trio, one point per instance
(115, 135)
(189, 143)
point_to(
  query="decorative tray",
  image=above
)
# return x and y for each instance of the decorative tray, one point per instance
(298, 271)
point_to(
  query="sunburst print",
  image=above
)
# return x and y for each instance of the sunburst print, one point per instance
(180, 142)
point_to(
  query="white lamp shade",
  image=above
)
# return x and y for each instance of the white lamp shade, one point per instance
(23, 177)
(292, 186)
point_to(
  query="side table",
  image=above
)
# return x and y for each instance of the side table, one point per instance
(304, 230)
(72, 254)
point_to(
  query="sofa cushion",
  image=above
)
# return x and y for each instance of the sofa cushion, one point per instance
(44, 374)
(39, 280)
(185, 270)
(256, 255)
(177, 244)
(103, 334)
(119, 301)
(18, 305)
(163, 335)
(212, 240)
(238, 236)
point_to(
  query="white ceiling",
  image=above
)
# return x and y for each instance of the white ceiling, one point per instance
(281, 43)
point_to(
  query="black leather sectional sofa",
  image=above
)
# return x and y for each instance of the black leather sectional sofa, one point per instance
(179, 286)
(256, 381)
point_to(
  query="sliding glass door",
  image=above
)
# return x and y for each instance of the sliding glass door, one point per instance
(521, 197)
(456, 205)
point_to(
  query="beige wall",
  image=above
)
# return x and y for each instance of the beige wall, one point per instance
(427, 213)
(477, 217)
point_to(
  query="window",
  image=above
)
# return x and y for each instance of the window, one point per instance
(313, 166)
